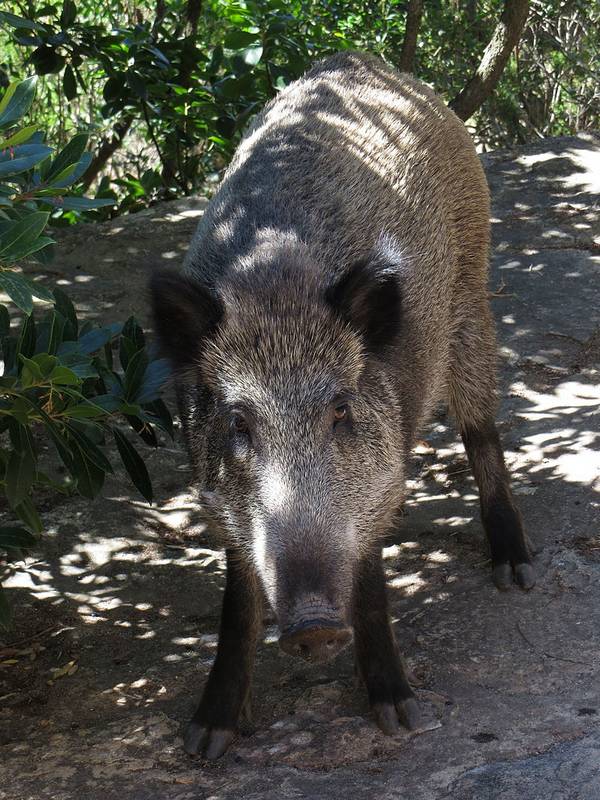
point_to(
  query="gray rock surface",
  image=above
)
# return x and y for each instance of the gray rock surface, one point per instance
(123, 599)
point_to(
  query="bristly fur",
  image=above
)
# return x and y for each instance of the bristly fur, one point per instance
(342, 264)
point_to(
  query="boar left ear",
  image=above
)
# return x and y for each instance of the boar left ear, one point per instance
(367, 296)
(184, 314)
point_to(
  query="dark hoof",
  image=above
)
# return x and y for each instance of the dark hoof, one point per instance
(524, 576)
(390, 716)
(502, 576)
(409, 714)
(207, 742)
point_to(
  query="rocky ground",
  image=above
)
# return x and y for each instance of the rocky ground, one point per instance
(117, 614)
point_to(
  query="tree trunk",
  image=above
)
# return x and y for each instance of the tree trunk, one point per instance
(409, 45)
(106, 150)
(495, 57)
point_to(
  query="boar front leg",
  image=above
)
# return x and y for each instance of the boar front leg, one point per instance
(377, 656)
(227, 692)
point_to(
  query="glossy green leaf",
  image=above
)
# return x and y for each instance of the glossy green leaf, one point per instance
(17, 289)
(17, 99)
(22, 233)
(134, 465)
(65, 307)
(134, 375)
(88, 475)
(68, 156)
(82, 203)
(20, 471)
(4, 321)
(19, 22)
(63, 376)
(13, 536)
(21, 158)
(20, 137)
(88, 448)
(27, 513)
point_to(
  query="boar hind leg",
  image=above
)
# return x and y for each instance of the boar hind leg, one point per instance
(473, 403)
(378, 660)
(227, 693)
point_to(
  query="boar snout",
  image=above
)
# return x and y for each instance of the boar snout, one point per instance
(316, 640)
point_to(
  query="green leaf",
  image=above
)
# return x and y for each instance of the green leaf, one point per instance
(160, 415)
(133, 463)
(127, 349)
(20, 22)
(27, 250)
(251, 55)
(81, 203)
(17, 288)
(12, 536)
(63, 376)
(68, 14)
(84, 411)
(39, 291)
(64, 306)
(95, 339)
(23, 232)
(68, 156)
(89, 476)
(26, 345)
(17, 100)
(134, 375)
(156, 375)
(137, 84)
(27, 514)
(236, 39)
(46, 60)
(14, 160)
(4, 321)
(50, 332)
(70, 175)
(20, 471)
(89, 449)
(31, 374)
(20, 137)
(132, 330)
(108, 402)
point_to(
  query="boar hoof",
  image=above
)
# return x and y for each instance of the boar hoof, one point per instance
(389, 717)
(523, 575)
(208, 742)
(502, 576)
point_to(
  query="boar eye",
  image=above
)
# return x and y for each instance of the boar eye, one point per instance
(239, 424)
(340, 413)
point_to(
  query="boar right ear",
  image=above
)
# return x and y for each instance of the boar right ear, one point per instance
(367, 296)
(184, 314)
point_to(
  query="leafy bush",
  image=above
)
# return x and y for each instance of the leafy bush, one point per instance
(178, 80)
(63, 380)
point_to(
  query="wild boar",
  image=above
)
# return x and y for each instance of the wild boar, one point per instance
(334, 293)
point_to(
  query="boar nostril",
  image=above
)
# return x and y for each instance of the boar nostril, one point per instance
(315, 641)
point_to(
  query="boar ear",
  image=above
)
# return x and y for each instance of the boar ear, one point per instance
(184, 313)
(367, 296)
